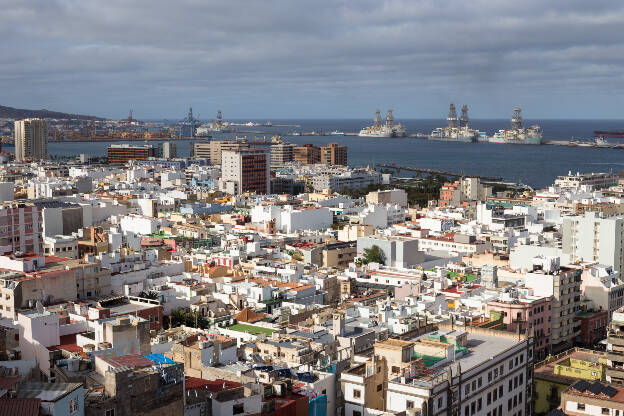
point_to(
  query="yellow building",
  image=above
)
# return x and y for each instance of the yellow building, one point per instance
(555, 374)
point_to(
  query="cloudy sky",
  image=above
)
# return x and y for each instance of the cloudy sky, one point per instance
(314, 59)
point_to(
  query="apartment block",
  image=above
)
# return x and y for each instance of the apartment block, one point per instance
(31, 139)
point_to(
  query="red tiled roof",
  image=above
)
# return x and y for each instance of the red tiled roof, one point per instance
(248, 315)
(130, 360)
(193, 383)
(68, 343)
(22, 407)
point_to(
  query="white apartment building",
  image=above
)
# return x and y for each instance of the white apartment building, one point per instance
(594, 180)
(593, 238)
(604, 286)
(381, 216)
(61, 246)
(479, 372)
(548, 278)
(289, 219)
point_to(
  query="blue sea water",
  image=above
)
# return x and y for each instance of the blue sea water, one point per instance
(533, 165)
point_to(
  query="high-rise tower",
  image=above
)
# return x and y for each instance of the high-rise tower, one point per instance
(31, 139)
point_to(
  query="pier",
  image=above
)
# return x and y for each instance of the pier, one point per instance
(438, 172)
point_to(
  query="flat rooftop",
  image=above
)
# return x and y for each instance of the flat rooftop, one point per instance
(481, 348)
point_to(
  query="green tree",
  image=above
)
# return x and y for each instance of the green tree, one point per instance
(187, 318)
(149, 295)
(374, 255)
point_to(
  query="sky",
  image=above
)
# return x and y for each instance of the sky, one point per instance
(314, 59)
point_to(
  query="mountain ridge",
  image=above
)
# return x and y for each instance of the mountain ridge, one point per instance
(20, 113)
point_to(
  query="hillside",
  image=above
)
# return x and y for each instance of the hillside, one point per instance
(19, 113)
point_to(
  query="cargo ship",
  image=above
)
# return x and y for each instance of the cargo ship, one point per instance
(518, 134)
(386, 130)
(455, 132)
(615, 134)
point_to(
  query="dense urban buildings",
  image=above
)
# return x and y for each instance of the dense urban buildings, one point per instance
(262, 277)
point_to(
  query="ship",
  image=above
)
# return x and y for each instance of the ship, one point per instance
(455, 132)
(386, 130)
(215, 126)
(615, 134)
(518, 134)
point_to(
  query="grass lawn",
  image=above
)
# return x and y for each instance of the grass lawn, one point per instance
(254, 330)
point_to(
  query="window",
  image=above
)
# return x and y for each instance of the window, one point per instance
(489, 376)
(479, 402)
(509, 405)
(357, 413)
(480, 381)
(379, 387)
(605, 410)
(467, 389)
(357, 393)
(239, 408)
(409, 404)
(500, 391)
(521, 378)
(489, 398)
(73, 405)
(472, 408)
(466, 411)
(440, 403)
(510, 386)
(474, 385)
(110, 412)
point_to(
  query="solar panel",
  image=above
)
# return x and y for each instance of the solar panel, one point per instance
(581, 386)
(596, 388)
(609, 391)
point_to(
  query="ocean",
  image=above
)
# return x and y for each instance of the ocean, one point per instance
(536, 166)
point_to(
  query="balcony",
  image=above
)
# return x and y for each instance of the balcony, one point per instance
(615, 339)
(617, 373)
(614, 356)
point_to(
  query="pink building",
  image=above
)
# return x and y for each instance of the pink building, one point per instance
(521, 314)
(20, 228)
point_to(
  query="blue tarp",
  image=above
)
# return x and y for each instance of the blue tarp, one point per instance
(159, 359)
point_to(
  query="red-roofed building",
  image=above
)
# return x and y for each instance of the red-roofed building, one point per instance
(222, 397)
(21, 407)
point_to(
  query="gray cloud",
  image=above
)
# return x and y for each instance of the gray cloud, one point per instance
(287, 58)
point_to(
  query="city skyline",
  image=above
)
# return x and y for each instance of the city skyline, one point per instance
(336, 60)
